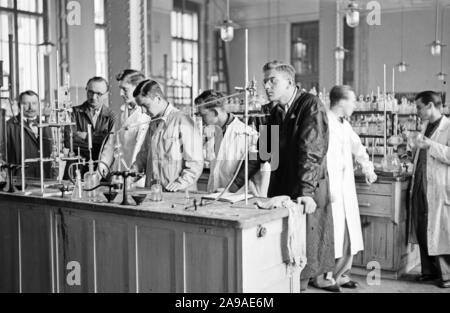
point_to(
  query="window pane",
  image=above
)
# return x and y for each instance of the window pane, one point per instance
(99, 7)
(29, 34)
(187, 26)
(30, 5)
(5, 28)
(101, 53)
(185, 74)
(6, 3)
(179, 25)
(173, 24)
(195, 27)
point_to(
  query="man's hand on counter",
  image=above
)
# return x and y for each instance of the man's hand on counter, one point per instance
(309, 203)
(371, 178)
(174, 187)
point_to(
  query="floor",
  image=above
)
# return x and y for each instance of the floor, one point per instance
(406, 284)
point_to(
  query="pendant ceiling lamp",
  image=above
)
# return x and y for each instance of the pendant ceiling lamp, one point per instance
(228, 26)
(436, 46)
(402, 66)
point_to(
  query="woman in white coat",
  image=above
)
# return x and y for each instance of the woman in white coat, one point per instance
(131, 131)
(344, 145)
(430, 193)
(230, 138)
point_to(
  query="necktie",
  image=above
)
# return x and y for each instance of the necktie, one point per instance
(341, 119)
(32, 124)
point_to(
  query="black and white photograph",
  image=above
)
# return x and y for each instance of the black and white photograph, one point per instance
(224, 152)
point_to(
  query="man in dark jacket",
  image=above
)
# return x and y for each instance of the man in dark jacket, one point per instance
(301, 171)
(93, 112)
(29, 100)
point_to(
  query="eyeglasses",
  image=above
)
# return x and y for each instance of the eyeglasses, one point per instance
(93, 93)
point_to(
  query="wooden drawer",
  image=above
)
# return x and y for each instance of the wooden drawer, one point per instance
(375, 205)
(376, 189)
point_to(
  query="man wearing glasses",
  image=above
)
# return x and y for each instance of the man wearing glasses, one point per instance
(93, 112)
(301, 170)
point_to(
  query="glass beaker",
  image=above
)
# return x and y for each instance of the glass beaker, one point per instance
(156, 191)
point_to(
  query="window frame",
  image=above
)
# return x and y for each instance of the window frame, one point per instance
(189, 7)
(103, 27)
(16, 14)
(310, 79)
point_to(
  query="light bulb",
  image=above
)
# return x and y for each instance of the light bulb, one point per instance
(441, 76)
(46, 48)
(227, 32)
(436, 48)
(353, 18)
(339, 53)
(402, 67)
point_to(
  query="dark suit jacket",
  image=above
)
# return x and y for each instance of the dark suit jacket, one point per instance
(303, 146)
(14, 148)
(104, 125)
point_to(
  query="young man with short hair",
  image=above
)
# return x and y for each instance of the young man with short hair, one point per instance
(344, 145)
(230, 142)
(430, 192)
(131, 128)
(172, 152)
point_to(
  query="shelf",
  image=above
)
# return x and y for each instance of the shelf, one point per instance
(405, 114)
(373, 136)
(56, 125)
(370, 112)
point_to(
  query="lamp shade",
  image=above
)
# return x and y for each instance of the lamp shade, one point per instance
(339, 53)
(353, 18)
(402, 66)
(227, 32)
(46, 48)
(436, 48)
(441, 76)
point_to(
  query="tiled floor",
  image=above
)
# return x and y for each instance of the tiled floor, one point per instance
(406, 284)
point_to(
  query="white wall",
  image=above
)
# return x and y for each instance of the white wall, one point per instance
(269, 34)
(384, 47)
(376, 45)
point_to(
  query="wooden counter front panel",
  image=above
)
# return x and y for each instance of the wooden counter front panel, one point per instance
(383, 209)
(26, 251)
(125, 254)
(9, 249)
(157, 256)
(53, 249)
(75, 244)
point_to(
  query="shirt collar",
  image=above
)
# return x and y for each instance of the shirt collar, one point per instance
(340, 119)
(230, 120)
(170, 108)
(289, 104)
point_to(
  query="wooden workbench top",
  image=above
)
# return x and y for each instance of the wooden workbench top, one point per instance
(172, 208)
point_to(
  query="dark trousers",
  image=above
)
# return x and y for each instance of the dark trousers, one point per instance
(431, 265)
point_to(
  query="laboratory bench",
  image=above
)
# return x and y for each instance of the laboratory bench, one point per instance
(60, 245)
(384, 218)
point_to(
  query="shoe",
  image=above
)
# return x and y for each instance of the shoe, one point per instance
(427, 277)
(444, 284)
(350, 285)
(334, 288)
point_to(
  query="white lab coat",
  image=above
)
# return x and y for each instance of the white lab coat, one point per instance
(131, 135)
(438, 191)
(231, 152)
(344, 144)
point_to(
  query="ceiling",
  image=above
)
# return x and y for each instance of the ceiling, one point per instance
(391, 4)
